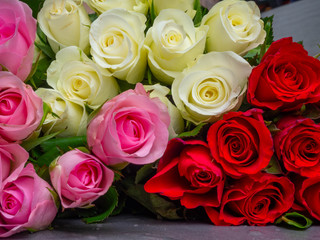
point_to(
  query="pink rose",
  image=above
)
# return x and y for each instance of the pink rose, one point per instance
(79, 178)
(20, 108)
(12, 157)
(25, 203)
(17, 34)
(131, 127)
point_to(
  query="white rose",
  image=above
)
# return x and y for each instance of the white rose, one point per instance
(214, 85)
(79, 79)
(101, 6)
(116, 39)
(184, 5)
(173, 42)
(65, 23)
(234, 25)
(176, 122)
(71, 117)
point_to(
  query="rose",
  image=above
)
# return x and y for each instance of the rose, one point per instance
(186, 172)
(20, 108)
(176, 122)
(172, 43)
(285, 79)
(234, 25)
(65, 23)
(257, 199)
(241, 143)
(131, 128)
(184, 5)
(18, 28)
(307, 193)
(68, 116)
(79, 178)
(214, 85)
(25, 203)
(101, 6)
(116, 39)
(79, 79)
(298, 145)
(12, 157)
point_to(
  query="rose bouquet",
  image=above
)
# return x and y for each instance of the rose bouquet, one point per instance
(190, 113)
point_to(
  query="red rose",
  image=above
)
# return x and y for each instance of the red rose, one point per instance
(297, 145)
(241, 143)
(308, 194)
(286, 78)
(187, 172)
(257, 199)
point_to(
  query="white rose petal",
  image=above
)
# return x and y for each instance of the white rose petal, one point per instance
(71, 117)
(65, 23)
(101, 6)
(214, 85)
(116, 39)
(234, 25)
(81, 80)
(172, 43)
(184, 5)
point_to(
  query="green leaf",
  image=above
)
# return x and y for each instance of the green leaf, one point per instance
(153, 202)
(46, 110)
(268, 21)
(30, 144)
(93, 16)
(194, 132)
(144, 172)
(46, 158)
(55, 197)
(35, 6)
(153, 14)
(273, 166)
(43, 44)
(198, 17)
(124, 85)
(296, 220)
(107, 203)
(64, 143)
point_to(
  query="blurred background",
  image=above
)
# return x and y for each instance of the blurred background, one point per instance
(264, 5)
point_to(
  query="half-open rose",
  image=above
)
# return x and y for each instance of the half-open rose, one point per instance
(187, 172)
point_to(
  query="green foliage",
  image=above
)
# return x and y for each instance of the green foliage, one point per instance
(35, 6)
(47, 149)
(93, 16)
(200, 12)
(145, 172)
(255, 55)
(273, 166)
(194, 132)
(103, 208)
(295, 220)
(154, 203)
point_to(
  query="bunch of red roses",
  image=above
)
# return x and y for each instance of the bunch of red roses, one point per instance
(228, 175)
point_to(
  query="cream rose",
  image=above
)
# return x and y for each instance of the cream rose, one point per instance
(65, 23)
(79, 79)
(214, 85)
(101, 6)
(176, 122)
(184, 5)
(234, 25)
(173, 42)
(68, 116)
(116, 39)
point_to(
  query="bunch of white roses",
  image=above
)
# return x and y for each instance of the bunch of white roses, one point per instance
(132, 40)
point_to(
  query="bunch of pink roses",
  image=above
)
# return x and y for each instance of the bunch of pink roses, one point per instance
(90, 102)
